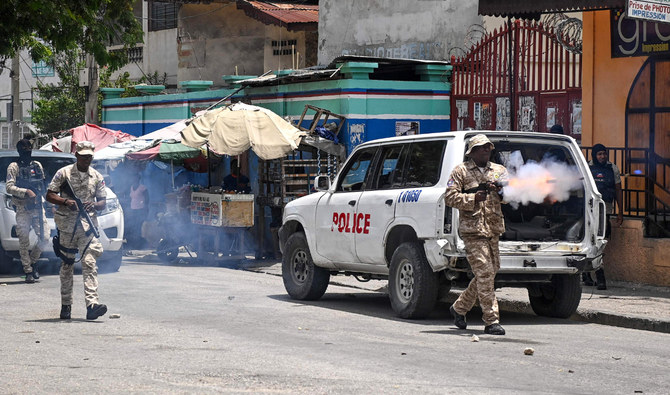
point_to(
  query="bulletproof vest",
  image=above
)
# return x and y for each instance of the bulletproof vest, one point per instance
(604, 178)
(31, 177)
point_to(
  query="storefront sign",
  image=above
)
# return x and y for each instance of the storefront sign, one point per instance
(651, 10)
(635, 37)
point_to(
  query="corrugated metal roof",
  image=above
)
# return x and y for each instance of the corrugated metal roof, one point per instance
(294, 16)
(520, 8)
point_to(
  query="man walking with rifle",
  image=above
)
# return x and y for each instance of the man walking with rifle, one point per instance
(25, 182)
(79, 191)
(474, 189)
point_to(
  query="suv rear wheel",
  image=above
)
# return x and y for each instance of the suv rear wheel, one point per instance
(413, 286)
(558, 299)
(302, 279)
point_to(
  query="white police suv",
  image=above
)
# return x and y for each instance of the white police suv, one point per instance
(384, 217)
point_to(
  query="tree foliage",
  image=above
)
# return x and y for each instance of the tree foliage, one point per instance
(61, 107)
(48, 26)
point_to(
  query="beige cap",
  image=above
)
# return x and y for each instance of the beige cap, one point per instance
(479, 139)
(85, 148)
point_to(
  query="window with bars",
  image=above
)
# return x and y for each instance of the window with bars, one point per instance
(162, 16)
(283, 47)
(135, 54)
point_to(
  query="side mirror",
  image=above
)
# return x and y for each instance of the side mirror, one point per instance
(322, 183)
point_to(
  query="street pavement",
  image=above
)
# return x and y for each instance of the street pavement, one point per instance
(623, 304)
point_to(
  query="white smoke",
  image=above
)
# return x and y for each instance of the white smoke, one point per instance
(538, 182)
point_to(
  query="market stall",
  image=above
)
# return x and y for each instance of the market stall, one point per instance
(289, 156)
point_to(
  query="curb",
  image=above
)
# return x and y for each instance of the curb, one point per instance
(522, 307)
(582, 315)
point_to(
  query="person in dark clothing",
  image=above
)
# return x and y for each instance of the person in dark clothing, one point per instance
(608, 180)
(556, 129)
(235, 181)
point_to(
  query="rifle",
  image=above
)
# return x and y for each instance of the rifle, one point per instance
(82, 211)
(484, 186)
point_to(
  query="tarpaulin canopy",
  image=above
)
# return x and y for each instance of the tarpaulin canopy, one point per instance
(167, 151)
(118, 151)
(234, 129)
(101, 137)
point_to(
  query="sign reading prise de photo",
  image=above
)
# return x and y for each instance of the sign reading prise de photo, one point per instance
(651, 10)
(637, 37)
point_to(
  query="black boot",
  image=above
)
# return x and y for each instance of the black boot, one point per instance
(36, 274)
(29, 278)
(586, 279)
(65, 311)
(95, 310)
(459, 320)
(600, 280)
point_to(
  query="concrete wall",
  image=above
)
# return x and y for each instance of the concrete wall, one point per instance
(631, 257)
(217, 39)
(373, 108)
(281, 62)
(396, 29)
(159, 53)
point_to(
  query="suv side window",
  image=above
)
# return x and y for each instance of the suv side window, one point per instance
(425, 162)
(354, 176)
(389, 173)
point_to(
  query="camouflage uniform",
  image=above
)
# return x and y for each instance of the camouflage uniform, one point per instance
(28, 214)
(87, 186)
(481, 224)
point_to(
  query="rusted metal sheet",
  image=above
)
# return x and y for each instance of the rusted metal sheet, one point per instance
(294, 16)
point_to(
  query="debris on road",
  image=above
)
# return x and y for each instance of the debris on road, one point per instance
(113, 316)
(529, 351)
(474, 338)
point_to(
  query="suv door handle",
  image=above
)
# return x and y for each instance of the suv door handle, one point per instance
(352, 203)
(389, 202)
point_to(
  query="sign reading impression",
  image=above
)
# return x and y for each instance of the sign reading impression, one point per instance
(651, 10)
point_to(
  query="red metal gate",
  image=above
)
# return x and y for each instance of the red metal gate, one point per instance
(546, 82)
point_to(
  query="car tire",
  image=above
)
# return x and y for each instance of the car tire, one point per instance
(110, 262)
(167, 251)
(413, 286)
(302, 279)
(559, 298)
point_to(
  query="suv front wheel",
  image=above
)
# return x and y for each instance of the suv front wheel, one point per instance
(413, 286)
(302, 279)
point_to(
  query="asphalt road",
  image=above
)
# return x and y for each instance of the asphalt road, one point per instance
(194, 329)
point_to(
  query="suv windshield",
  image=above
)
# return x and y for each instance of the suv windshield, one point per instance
(50, 165)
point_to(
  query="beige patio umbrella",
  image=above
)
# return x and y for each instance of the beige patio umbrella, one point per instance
(234, 129)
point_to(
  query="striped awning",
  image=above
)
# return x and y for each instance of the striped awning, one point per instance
(533, 8)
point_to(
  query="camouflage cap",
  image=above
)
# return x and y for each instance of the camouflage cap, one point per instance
(85, 148)
(479, 139)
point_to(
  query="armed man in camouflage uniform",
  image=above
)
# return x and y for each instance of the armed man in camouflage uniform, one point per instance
(25, 182)
(74, 233)
(481, 224)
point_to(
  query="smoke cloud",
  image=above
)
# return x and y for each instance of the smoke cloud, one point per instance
(534, 182)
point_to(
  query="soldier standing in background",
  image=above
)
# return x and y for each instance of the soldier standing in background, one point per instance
(74, 233)
(25, 182)
(481, 224)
